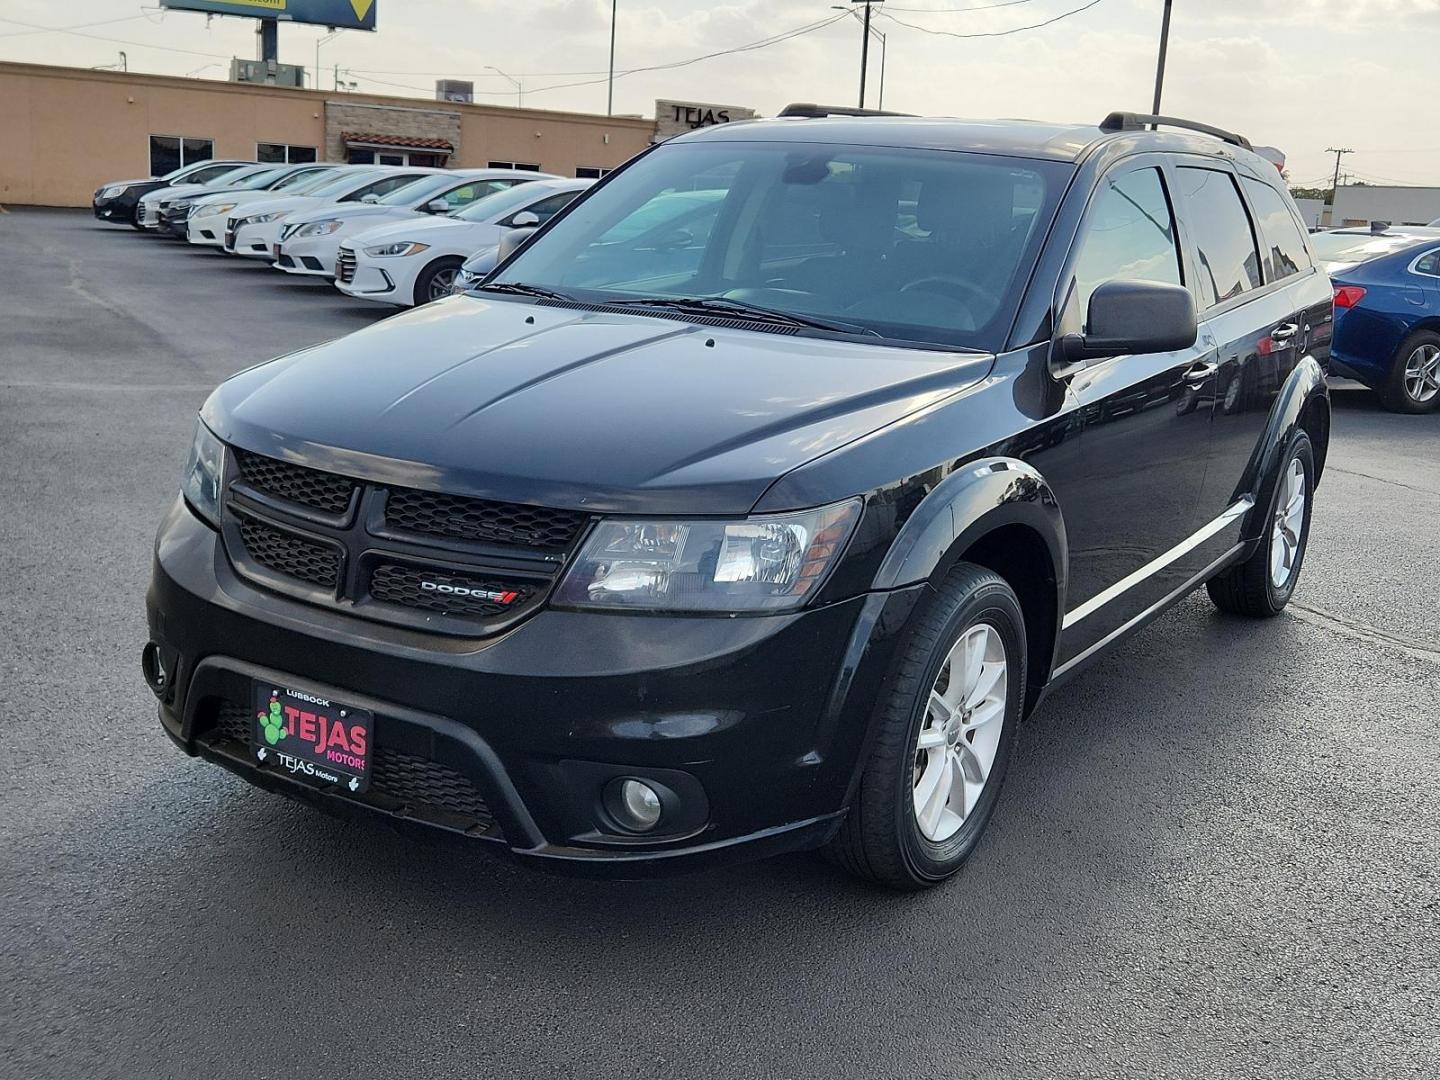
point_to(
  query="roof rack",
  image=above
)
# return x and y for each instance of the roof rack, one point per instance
(1127, 121)
(816, 112)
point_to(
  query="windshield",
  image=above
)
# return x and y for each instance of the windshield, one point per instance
(1332, 247)
(303, 183)
(417, 192)
(343, 184)
(256, 181)
(493, 207)
(914, 245)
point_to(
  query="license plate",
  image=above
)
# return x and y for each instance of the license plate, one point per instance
(313, 738)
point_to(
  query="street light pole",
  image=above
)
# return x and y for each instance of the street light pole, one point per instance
(884, 53)
(1160, 63)
(519, 86)
(610, 97)
(864, 50)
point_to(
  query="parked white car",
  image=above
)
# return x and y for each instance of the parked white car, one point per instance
(311, 240)
(254, 231)
(206, 224)
(147, 209)
(413, 262)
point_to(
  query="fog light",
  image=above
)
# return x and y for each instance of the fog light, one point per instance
(154, 668)
(634, 804)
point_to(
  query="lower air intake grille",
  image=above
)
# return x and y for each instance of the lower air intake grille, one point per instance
(345, 264)
(289, 554)
(446, 593)
(480, 519)
(405, 777)
(294, 483)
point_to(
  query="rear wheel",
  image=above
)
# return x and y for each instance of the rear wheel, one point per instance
(436, 279)
(1262, 585)
(1414, 383)
(944, 735)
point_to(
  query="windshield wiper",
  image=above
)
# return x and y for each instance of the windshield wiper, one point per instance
(519, 288)
(723, 305)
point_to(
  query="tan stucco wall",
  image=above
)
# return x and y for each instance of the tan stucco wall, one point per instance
(67, 130)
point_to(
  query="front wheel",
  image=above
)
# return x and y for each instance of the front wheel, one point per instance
(944, 732)
(1262, 585)
(436, 279)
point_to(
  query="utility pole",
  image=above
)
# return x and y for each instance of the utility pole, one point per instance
(864, 49)
(1335, 184)
(1160, 63)
(610, 98)
(268, 34)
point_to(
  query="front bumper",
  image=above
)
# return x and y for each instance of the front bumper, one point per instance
(257, 241)
(370, 282)
(207, 231)
(120, 209)
(310, 257)
(744, 717)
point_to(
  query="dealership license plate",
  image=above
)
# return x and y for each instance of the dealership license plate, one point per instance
(313, 738)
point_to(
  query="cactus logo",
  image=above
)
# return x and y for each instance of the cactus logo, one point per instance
(272, 724)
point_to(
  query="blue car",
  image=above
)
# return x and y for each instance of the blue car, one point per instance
(1387, 312)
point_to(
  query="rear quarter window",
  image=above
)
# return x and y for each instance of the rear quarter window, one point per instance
(1285, 254)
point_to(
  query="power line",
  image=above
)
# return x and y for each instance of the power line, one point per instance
(37, 29)
(990, 33)
(961, 10)
(118, 41)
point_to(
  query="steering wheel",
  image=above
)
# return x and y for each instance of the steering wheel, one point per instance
(989, 298)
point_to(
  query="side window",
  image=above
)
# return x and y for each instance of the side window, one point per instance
(1429, 264)
(1129, 236)
(1287, 255)
(381, 188)
(545, 209)
(1229, 259)
(463, 196)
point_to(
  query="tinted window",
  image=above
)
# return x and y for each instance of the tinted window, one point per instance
(1429, 264)
(1287, 254)
(917, 245)
(381, 187)
(545, 209)
(1229, 261)
(1129, 236)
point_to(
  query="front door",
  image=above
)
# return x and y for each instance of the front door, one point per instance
(1145, 442)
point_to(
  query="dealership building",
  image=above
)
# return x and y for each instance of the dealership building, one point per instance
(67, 130)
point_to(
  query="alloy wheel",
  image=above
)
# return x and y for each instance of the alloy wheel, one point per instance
(1422, 374)
(957, 743)
(1289, 520)
(442, 281)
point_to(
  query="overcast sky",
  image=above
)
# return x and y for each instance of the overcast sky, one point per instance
(1300, 74)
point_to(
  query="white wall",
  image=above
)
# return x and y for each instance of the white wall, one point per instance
(1358, 204)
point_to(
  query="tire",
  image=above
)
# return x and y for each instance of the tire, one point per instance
(1251, 588)
(440, 271)
(134, 224)
(882, 838)
(1405, 394)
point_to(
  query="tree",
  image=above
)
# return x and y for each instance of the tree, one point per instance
(1323, 194)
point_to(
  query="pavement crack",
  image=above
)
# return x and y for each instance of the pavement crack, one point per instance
(1381, 480)
(1363, 631)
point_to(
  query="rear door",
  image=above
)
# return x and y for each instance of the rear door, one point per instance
(1146, 419)
(1260, 301)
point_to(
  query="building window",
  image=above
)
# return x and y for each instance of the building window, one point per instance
(171, 152)
(272, 153)
(589, 172)
(420, 159)
(523, 166)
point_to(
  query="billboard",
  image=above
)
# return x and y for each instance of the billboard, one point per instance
(346, 14)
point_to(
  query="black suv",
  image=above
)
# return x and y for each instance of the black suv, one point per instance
(666, 546)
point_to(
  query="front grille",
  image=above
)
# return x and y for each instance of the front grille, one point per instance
(294, 483)
(400, 776)
(426, 512)
(289, 554)
(345, 265)
(447, 593)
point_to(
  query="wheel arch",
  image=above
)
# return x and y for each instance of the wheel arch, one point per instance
(1303, 402)
(1002, 514)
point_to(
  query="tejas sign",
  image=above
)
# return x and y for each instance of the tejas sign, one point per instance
(346, 14)
(677, 117)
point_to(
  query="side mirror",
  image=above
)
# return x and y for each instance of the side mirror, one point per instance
(526, 219)
(511, 242)
(438, 206)
(1133, 317)
(371, 199)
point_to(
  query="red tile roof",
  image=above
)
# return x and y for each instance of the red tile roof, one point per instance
(412, 141)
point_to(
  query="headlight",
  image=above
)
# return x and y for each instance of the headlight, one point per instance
(756, 564)
(319, 228)
(114, 191)
(203, 473)
(261, 219)
(397, 249)
(223, 208)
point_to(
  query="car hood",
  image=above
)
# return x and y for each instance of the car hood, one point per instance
(358, 214)
(218, 198)
(283, 203)
(444, 235)
(592, 411)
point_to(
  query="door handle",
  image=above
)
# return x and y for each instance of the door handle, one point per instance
(1200, 371)
(1284, 332)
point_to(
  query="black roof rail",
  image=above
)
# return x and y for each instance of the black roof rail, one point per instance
(1127, 121)
(816, 112)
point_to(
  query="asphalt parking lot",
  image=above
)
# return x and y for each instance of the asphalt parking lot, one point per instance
(1218, 853)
